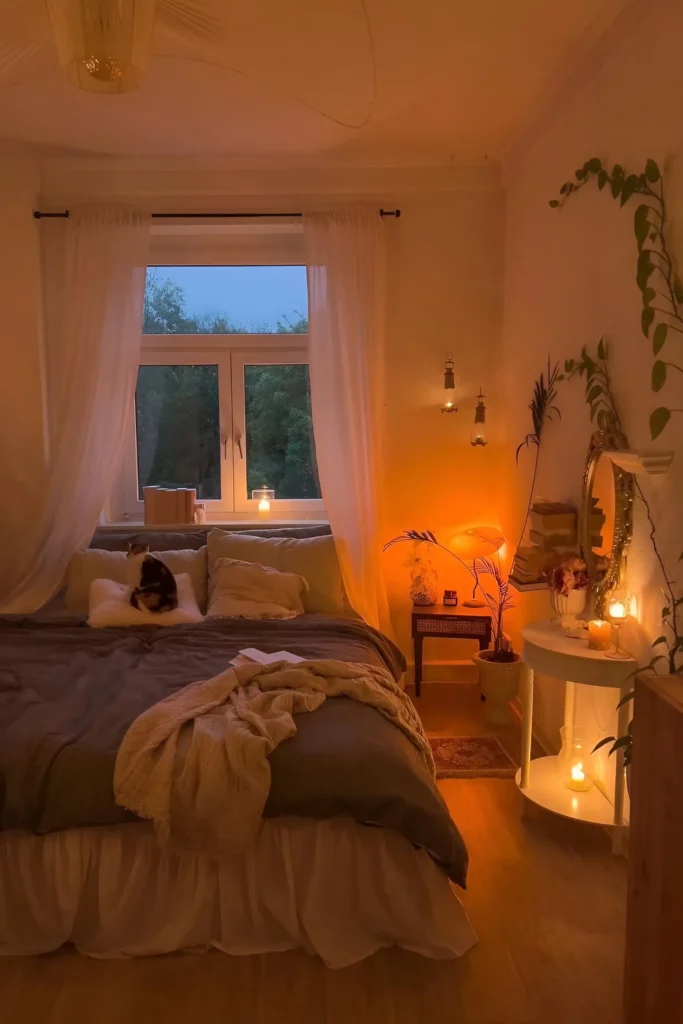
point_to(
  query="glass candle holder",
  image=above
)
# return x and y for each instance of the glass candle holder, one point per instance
(264, 496)
(576, 760)
(618, 611)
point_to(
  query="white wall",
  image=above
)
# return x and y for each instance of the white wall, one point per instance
(570, 278)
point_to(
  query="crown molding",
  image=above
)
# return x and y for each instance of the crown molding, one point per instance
(616, 23)
(208, 181)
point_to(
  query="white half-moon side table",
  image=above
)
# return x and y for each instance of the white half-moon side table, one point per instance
(548, 650)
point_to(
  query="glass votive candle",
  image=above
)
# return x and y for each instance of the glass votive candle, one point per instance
(599, 635)
(576, 761)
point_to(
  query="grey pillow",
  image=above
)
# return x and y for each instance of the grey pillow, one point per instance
(314, 558)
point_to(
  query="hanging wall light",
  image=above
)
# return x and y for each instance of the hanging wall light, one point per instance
(478, 438)
(449, 385)
(103, 45)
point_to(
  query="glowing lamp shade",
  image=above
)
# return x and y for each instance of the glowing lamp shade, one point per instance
(103, 45)
(476, 542)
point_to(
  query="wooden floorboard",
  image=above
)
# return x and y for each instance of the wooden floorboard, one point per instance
(546, 897)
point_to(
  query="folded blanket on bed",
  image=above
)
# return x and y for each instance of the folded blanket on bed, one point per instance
(196, 763)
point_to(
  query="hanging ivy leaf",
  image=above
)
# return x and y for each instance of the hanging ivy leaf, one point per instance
(645, 269)
(641, 225)
(659, 338)
(646, 318)
(652, 171)
(617, 185)
(580, 174)
(658, 375)
(554, 203)
(658, 420)
(617, 171)
(678, 290)
(649, 294)
(592, 166)
(603, 178)
(630, 185)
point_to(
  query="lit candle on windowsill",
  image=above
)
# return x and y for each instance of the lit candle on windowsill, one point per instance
(263, 508)
(264, 496)
(599, 635)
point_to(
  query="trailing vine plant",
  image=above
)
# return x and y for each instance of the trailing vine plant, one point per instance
(543, 410)
(660, 288)
(603, 410)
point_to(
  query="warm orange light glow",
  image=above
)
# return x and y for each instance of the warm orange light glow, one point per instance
(618, 611)
(599, 635)
(477, 542)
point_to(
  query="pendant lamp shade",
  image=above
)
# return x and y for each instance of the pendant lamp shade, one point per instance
(103, 45)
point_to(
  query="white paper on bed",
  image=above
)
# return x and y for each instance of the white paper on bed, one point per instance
(261, 658)
(209, 792)
(110, 606)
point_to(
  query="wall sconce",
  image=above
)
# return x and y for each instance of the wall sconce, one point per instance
(478, 438)
(264, 496)
(449, 385)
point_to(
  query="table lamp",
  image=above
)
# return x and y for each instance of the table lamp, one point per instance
(473, 543)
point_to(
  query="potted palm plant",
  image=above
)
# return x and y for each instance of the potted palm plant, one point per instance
(498, 667)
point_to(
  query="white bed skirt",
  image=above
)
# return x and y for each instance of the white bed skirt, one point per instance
(333, 887)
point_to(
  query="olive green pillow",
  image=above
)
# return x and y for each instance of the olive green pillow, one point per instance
(314, 558)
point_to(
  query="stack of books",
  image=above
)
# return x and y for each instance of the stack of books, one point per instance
(553, 532)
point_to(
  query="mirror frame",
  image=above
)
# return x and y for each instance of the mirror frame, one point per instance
(623, 516)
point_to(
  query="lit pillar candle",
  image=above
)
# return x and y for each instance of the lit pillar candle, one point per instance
(599, 635)
(263, 508)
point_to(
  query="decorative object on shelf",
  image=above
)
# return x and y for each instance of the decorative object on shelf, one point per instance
(424, 582)
(526, 568)
(478, 436)
(575, 759)
(449, 385)
(618, 612)
(599, 635)
(450, 598)
(471, 544)
(569, 585)
(660, 288)
(199, 513)
(264, 496)
(169, 506)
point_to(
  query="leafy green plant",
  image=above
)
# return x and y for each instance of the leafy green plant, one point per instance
(599, 394)
(543, 409)
(660, 288)
(497, 603)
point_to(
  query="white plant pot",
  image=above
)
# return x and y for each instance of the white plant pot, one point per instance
(499, 681)
(568, 606)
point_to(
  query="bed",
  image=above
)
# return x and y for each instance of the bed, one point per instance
(357, 849)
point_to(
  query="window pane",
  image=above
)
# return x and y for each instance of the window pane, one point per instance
(226, 300)
(280, 446)
(178, 428)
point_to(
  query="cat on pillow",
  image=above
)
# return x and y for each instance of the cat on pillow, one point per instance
(152, 585)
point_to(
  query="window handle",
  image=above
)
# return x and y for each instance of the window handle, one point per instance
(238, 441)
(224, 441)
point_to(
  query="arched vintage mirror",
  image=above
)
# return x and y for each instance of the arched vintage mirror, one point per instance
(606, 520)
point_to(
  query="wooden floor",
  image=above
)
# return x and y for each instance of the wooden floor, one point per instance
(545, 896)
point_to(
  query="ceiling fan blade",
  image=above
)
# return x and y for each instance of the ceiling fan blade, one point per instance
(203, 19)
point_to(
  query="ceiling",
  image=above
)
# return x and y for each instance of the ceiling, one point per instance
(442, 81)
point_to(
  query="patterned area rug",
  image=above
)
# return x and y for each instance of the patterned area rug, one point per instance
(471, 757)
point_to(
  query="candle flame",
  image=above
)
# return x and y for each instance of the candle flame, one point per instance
(577, 772)
(264, 505)
(617, 610)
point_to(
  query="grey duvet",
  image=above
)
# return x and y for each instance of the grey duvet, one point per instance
(68, 694)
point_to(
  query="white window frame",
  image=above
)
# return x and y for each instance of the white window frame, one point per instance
(230, 352)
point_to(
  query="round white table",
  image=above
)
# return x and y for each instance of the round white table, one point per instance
(547, 649)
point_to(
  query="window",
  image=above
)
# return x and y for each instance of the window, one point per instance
(222, 402)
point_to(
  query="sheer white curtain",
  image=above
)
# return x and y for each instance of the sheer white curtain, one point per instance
(346, 311)
(93, 270)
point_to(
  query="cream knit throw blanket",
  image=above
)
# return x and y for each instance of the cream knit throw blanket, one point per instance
(196, 763)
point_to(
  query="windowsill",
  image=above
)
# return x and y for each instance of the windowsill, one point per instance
(187, 527)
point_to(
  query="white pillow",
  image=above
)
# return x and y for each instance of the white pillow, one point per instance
(96, 564)
(247, 590)
(110, 606)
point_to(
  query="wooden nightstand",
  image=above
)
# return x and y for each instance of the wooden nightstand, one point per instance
(447, 621)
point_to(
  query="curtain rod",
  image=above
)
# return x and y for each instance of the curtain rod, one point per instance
(40, 214)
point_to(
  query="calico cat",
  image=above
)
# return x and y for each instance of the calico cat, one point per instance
(152, 584)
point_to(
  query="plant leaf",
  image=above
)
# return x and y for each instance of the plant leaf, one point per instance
(601, 349)
(646, 319)
(658, 375)
(630, 185)
(645, 269)
(593, 166)
(659, 640)
(626, 698)
(593, 393)
(652, 171)
(641, 224)
(617, 185)
(603, 743)
(649, 294)
(554, 203)
(658, 420)
(678, 290)
(658, 339)
(603, 178)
